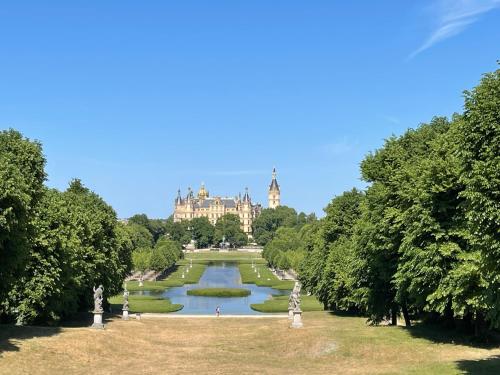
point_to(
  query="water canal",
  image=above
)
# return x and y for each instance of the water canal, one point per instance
(224, 274)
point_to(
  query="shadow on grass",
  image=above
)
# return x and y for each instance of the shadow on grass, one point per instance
(11, 336)
(490, 365)
(347, 314)
(458, 336)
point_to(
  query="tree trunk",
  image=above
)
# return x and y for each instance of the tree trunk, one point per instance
(478, 324)
(406, 315)
(467, 320)
(394, 317)
(449, 320)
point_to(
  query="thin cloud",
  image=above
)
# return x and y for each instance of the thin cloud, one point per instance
(392, 119)
(337, 148)
(453, 17)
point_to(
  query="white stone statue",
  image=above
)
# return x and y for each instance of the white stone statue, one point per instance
(98, 297)
(125, 299)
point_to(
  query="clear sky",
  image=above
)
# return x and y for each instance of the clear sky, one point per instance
(139, 98)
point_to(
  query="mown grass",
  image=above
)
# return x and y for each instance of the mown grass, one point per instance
(191, 277)
(219, 292)
(267, 278)
(279, 304)
(154, 286)
(145, 304)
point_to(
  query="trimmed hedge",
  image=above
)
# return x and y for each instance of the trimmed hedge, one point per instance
(219, 292)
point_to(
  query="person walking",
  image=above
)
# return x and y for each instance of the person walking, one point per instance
(217, 311)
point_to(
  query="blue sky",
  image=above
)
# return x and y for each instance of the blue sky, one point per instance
(140, 98)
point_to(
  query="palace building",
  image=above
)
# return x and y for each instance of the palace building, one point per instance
(202, 205)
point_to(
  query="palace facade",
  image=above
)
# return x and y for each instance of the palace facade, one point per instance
(202, 205)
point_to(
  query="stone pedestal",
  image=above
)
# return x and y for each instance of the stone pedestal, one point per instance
(138, 316)
(290, 313)
(297, 319)
(98, 320)
(125, 315)
(141, 284)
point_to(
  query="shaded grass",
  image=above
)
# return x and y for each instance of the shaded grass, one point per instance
(267, 278)
(279, 304)
(219, 292)
(145, 304)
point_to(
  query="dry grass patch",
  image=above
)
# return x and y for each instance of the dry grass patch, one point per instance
(327, 344)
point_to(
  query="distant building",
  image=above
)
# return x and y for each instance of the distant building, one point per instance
(273, 195)
(202, 205)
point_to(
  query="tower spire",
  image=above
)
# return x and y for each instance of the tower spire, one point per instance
(274, 194)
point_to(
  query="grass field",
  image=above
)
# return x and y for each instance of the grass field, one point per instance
(327, 344)
(174, 279)
(267, 278)
(219, 292)
(280, 304)
(144, 304)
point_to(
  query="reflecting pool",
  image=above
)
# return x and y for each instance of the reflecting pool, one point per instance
(220, 275)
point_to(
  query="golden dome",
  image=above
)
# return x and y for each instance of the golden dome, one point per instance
(202, 193)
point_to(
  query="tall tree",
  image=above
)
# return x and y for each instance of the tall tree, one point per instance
(270, 219)
(76, 248)
(480, 153)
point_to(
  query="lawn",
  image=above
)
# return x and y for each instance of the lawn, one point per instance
(267, 278)
(219, 292)
(144, 304)
(279, 304)
(328, 344)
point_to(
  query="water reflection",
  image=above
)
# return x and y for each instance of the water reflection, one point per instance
(220, 275)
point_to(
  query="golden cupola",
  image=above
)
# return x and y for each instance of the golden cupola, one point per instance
(203, 193)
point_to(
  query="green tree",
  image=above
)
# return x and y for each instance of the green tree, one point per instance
(270, 219)
(156, 227)
(141, 259)
(229, 226)
(202, 231)
(21, 188)
(75, 249)
(140, 236)
(165, 254)
(479, 148)
(342, 214)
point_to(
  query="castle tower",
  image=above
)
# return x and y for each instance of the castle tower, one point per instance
(274, 192)
(246, 213)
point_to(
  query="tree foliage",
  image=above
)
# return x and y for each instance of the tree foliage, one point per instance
(21, 188)
(228, 226)
(423, 239)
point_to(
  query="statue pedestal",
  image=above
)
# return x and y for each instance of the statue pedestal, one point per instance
(98, 320)
(125, 315)
(290, 313)
(297, 319)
